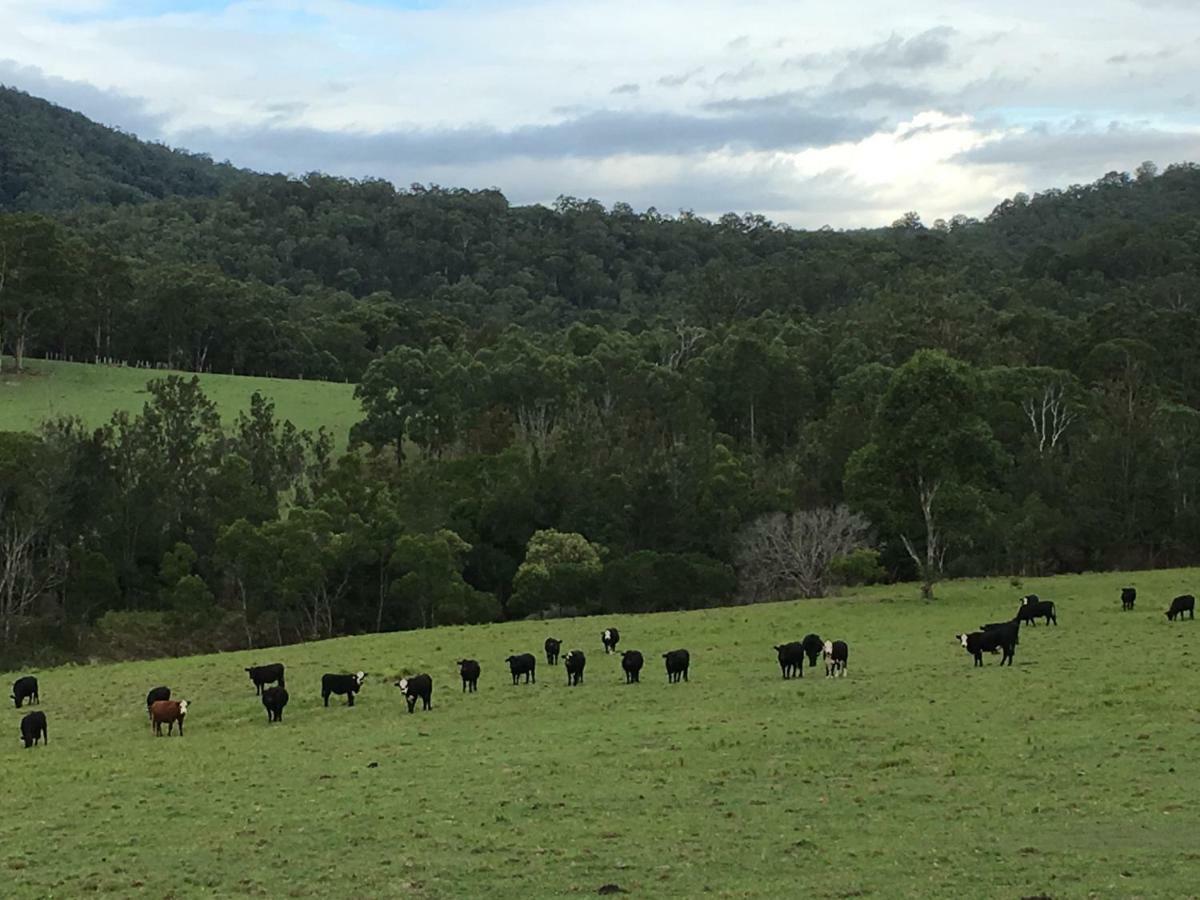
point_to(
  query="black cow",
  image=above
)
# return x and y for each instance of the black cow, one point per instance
(677, 665)
(611, 638)
(342, 684)
(813, 648)
(33, 728)
(417, 687)
(552, 645)
(523, 664)
(1004, 638)
(1128, 596)
(275, 699)
(1032, 608)
(836, 654)
(264, 675)
(156, 694)
(791, 659)
(574, 662)
(632, 662)
(25, 688)
(1184, 603)
(469, 670)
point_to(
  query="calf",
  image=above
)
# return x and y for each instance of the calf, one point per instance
(156, 694)
(1003, 637)
(342, 684)
(1128, 596)
(791, 659)
(574, 662)
(836, 654)
(275, 699)
(523, 664)
(677, 665)
(813, 648)
(25, 688)
(469, 670)
(1185, 603)
(264, 675)
(168, 712)
(611, 638)
(417, 686)
(552, 645)
(1032, 608)
(33, 728)
(632, 662)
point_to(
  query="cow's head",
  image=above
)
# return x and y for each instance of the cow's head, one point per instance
(962, 639)
(183, 707)
(403, 684)
(828, 648)
(359, 678)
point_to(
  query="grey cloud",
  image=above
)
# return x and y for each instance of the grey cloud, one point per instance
(1151, 56)
(680, 79)
(628, 88)
(741, 42)
(921, 51)
(745, 73)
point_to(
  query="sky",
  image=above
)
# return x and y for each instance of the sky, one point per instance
(811, 113)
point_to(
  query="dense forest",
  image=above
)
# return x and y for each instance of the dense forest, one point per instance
(571, 409)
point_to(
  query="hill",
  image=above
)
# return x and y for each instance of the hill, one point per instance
(913, 776)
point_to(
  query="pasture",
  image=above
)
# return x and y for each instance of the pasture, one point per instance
(1071, 774)
(93, 393)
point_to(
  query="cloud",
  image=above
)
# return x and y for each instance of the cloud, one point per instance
(922, 51)
(628, 88)
(681, 79)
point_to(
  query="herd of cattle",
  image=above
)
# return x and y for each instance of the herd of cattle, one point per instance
(993, 637)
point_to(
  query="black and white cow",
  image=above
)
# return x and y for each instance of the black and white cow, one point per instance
(1003, 638)
(1032, 608)
(349, 685)
(274, 699)
(813, 648)
(417, 687)
(611, 637)
(469, 670)
(33, 728)
(678, 662)
(574, 663)
(552, 647)
(631, 663)
(1128, 596)
(156, 694)
(264, 675)
(25, 688)
(523, 664)
(1185, 603)
(791, 659)
(836, 655)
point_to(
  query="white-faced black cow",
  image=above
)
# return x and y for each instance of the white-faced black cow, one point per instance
(523, 664)
(33, 728)
(469, 670)
(264, 675)
(791, 659)
(1032, 608)
(274, 699)
(1003, 637)
(1128, 597)
(631, 663)
(156, 694)
(25, 688)
(678, 662)
(574, 663)
(417, 687)
(1184, 603)
(552, 647)
(611, 637)
(342, 684)
(836, 655)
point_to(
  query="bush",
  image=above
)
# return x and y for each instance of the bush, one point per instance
(859, 567)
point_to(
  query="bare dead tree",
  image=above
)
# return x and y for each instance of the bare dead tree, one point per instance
(688, 337)
(1049, 416)
(790, 554)
(935, 546)
(29, 567)
(536, 425)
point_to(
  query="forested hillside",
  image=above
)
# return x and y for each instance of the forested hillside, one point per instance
(591, 408)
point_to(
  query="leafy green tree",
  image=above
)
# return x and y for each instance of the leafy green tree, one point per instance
(560, 569)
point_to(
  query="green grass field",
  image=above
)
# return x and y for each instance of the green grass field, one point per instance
(1072, 774)
(93, 393)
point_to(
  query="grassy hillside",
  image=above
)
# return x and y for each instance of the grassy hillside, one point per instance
(94, 392)
(1068, 775)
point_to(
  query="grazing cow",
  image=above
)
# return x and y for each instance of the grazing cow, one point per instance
(1032, 608)
(813, 648)
(632, 662)
(678, 662)
(611, 638)
(25, 688)
(552, 645)
(574, 662)
(469, 670)
(791, 659)
(33, 729)
(1003, 637)
(264, 675)
(168, 712)
(275, 699)
(523, 664)
(1128, 596)
(417, 686)
(156, 694)
(1185, 603)
(342, 684)
(836, 654)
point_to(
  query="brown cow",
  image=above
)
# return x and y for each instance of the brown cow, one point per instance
(168, 712)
